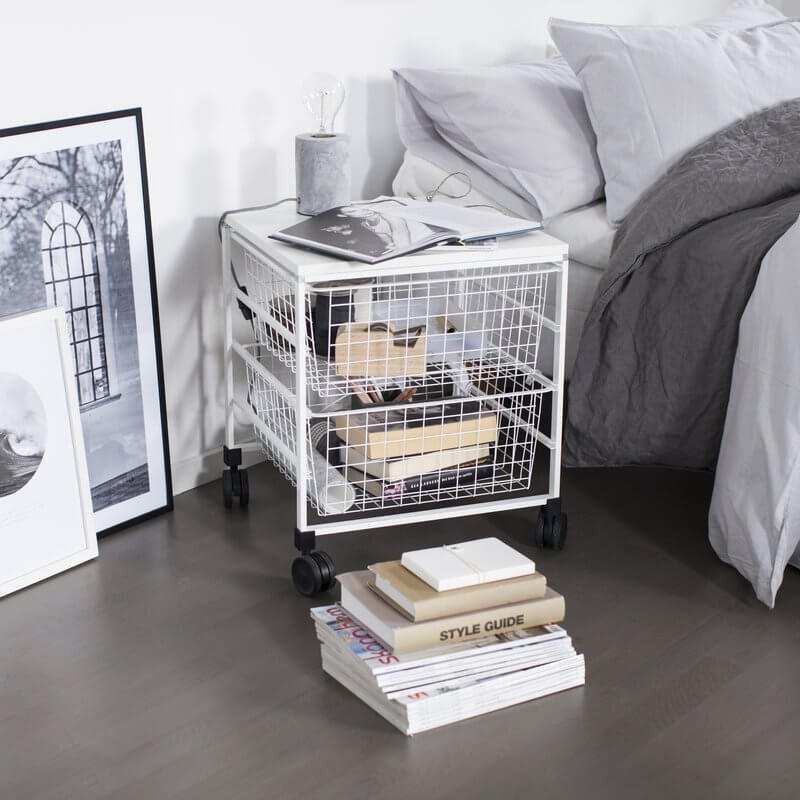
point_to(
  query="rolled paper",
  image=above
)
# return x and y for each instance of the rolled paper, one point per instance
(331, 491)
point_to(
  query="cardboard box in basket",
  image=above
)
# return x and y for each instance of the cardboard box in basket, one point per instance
(378, 349)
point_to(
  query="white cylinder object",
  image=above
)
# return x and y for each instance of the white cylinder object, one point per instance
(332, 492)
(322, 172)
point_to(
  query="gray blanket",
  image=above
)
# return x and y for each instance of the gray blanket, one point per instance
(653, 372)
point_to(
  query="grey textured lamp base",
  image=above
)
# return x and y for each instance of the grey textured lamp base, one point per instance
(322, 172)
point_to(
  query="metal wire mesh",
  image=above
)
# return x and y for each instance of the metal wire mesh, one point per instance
(421, 388)
(399, 454)
(416, 328)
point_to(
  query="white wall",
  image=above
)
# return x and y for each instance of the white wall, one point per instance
(219, 86)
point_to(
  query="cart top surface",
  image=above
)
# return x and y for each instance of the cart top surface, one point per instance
(256, 227)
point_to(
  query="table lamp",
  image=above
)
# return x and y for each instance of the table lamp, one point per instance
(322, 157)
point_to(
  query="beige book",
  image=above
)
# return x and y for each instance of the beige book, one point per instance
(406, 430)
(420, 602)
(396, 469)
(402, 636)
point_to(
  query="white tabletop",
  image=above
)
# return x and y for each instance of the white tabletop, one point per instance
(256, 226)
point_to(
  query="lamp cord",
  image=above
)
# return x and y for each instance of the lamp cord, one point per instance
(439, 190)
(225, 215)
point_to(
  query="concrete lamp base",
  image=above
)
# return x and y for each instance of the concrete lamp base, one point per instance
(322, 172)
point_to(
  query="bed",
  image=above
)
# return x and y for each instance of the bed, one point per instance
(679, 198)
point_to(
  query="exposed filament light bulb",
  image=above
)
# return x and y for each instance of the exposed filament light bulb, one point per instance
(323, 95)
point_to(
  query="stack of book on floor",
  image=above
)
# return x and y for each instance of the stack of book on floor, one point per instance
(407, 449)
(424, 657)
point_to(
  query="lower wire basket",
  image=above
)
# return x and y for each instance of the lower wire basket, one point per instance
(390, 454)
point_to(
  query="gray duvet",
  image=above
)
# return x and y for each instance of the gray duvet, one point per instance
(653, 372)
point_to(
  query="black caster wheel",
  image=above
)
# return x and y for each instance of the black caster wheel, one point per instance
(244, 488)
(227, 488)
(235, 483)
(540, 528)
(558, 533)
(313, 573)
(551, 527)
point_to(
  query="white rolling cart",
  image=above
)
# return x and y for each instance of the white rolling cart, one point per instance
(357, 378)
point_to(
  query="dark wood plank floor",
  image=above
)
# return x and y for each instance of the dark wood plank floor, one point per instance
(182, 664)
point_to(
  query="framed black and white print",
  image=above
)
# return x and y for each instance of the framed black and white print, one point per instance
(46, 518)
(75, 233)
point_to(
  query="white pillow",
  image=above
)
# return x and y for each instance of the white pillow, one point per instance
(525, 125)
(653, 93)
(744, 14)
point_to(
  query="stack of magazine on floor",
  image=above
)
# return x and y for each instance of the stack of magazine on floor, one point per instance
(423, 658)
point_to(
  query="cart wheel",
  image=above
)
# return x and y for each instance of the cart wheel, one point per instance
(313, 573)
(328, 569)
(540, 528)
(551, 526)
(558, 533)
(244, 488)
(227, 488)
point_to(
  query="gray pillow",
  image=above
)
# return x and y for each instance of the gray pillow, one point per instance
(653, 92)
(524, 126)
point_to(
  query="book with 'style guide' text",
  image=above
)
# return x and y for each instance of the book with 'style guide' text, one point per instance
(401, 635)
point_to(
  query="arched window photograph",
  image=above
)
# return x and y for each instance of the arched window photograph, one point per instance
(72, 281)
(75, 235)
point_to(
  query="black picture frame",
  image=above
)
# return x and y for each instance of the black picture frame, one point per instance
(109, 292)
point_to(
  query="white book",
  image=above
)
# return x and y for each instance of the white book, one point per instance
(454, 566)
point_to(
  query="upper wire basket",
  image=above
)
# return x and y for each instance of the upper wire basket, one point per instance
(405, 330)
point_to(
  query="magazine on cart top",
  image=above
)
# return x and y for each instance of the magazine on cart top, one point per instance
(389, 227)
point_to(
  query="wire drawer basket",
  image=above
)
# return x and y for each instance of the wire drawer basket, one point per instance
(481, 445)
(419, 388)
(414, 330)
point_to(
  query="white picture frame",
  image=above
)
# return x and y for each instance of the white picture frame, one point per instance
(46, 519)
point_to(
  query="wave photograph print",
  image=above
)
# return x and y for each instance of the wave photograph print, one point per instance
(23, 433)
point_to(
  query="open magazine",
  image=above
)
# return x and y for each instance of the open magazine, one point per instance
(391, 227)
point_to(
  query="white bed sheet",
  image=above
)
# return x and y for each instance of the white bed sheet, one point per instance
(754, 518)
(585, 230)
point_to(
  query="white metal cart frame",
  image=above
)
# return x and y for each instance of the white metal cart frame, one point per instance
(303, 270)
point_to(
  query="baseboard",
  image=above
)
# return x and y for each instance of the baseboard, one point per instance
(193, 472)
